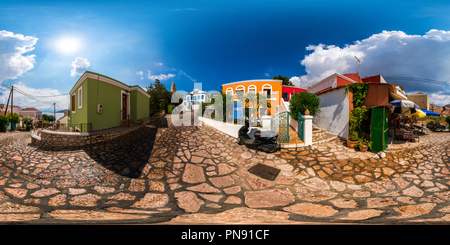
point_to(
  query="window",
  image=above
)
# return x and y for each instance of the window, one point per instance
(73, 103)
(229, 91)
(80, 98)
(285, 96)
(252, 89)
(267, 90)
(203, 96)
(240, 89)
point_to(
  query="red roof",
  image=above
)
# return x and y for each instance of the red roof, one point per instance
(30, 109)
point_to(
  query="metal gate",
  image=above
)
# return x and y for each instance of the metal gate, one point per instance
(301, 127)
(280, 124)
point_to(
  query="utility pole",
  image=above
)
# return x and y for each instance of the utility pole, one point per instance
(12, 103)
(7, 104)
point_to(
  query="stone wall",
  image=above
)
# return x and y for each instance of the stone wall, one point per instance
(57, 140)
(318, 134)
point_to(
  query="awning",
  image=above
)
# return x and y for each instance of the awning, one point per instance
(430, 113)
(404, 103)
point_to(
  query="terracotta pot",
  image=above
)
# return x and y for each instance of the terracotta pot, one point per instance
(363, 148)
(351, 143)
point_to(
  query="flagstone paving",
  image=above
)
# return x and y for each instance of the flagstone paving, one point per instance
(196, 174)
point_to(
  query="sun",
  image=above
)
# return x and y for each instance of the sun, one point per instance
(68, 45)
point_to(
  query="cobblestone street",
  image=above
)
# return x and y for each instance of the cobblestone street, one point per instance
(181, 175)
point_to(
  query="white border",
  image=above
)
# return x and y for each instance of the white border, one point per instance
(80, 98)
(121, 104)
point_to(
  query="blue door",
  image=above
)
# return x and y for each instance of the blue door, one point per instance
(237, 111)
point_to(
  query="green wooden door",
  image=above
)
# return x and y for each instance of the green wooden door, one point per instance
(379, 128)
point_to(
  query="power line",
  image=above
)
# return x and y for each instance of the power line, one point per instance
(416, 79)
(32, 97)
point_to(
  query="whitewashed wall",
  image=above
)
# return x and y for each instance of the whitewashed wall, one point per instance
(334, 114)
(228, 128)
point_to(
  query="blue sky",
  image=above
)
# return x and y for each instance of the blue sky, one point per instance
(216, 42)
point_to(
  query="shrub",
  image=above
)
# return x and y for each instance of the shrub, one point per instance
(301, 101)
(357, 118)
(3, 121)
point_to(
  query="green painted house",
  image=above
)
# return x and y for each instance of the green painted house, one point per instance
(105, 102)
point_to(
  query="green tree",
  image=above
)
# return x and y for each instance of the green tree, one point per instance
(15, 117)
(28, 121)
(304, 100)
(49, 118)
(286, 81)
(160, 97)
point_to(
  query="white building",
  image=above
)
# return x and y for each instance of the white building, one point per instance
(193, 100)
(33, 112)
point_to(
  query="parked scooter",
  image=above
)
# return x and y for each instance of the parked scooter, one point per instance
(255, 139)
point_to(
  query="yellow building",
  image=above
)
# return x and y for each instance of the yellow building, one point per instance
(271, 88)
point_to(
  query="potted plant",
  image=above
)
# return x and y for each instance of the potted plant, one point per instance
(352, 140)
(364, 145)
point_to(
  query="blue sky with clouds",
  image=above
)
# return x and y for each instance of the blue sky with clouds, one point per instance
(46, 45)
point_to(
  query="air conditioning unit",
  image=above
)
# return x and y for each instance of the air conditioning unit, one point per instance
(99, 108)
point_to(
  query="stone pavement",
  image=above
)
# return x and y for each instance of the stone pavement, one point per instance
(182, 175)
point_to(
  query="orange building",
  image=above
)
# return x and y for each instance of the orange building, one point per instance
(271, 88)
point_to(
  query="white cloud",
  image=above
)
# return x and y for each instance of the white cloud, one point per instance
(12, 61)
(80, 65)
(295, 81)
(389, 53)
(160, 77)
(43, 103)
(141, 74)
(158, 63)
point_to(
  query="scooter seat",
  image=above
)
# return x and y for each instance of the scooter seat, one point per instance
(248, 141)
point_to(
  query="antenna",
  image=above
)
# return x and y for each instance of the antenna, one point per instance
(359, 61)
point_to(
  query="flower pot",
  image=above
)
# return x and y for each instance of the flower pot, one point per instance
(351, 143)
(363, 148)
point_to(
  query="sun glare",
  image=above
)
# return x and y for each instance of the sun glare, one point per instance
(68, 45)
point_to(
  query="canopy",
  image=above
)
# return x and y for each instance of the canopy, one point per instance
(430, 113)
(404, 103)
